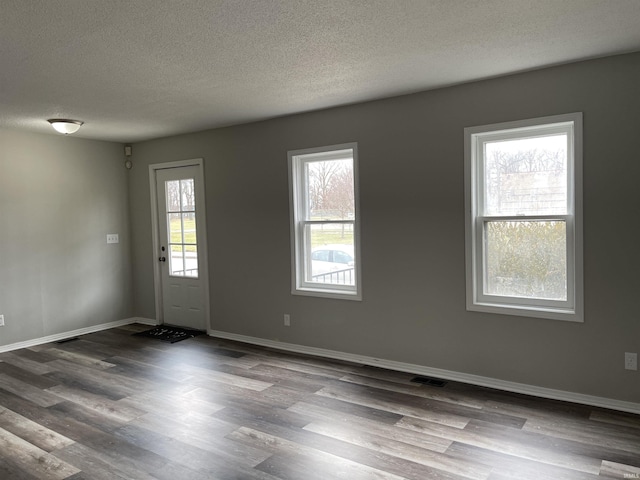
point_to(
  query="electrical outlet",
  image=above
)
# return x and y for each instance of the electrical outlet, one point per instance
(1, 320)
(630, 361)
(287, 320)
(113, 238)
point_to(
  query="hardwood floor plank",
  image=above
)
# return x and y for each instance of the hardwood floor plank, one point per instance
(296, 374)
(400, 449)
(170, 405)
(618, 470)
(289, 466)
(433, 393)
(52, 418)
(504, 445)
(92, 360)
(353, 453)
(201, 431)
(313, 368)
(277, 376)
(528, 407)
(32, 459)
(302, 462)
(245, 361)
(101, 405)
(143, 368)
(224, 394)
(508, 466)
(358, 424)
(32, 432)
(618, 438)
(126, 384)
(81, 346)
(615, 418)
(89, 384)
(543, 441)
(128, 456)
(28, 391)
(221, 377)
(454, 404)
(405, 406)
(341, 406)
(189, 455)
(9, 470)
(35, 380)
(241, 414)
(95, 467)
(89, 419)
(25, 363)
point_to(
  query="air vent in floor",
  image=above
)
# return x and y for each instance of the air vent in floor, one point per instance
(432, 382)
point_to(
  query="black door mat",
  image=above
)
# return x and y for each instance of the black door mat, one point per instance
(170, 334)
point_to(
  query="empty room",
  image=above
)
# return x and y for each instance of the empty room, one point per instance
(305, 240)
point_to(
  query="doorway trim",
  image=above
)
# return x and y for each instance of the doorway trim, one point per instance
(155, 234)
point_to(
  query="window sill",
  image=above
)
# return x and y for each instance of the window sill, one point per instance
(527, 311)
(327, 293)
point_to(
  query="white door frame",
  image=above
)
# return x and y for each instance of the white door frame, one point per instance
(203, 246)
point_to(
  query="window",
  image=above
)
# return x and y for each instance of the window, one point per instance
(524, 217)
(324, 222)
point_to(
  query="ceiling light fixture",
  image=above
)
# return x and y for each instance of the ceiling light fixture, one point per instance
(65, 126)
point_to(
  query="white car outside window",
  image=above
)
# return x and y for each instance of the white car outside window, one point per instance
(333, 264)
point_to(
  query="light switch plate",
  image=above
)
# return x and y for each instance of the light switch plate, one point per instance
(112, 238)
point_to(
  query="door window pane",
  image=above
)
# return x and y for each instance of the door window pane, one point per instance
(526, 259)
(181, 227)
(188, 197)
(191, 261)
(175, 228)
(173, 195)
(189, 226)
(176, 260)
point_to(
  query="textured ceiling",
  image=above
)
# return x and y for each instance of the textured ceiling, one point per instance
(140, 69)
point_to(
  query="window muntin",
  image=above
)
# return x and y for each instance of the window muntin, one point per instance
(325, 222)
(524, 218)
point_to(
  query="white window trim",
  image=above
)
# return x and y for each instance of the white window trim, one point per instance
(572, 309)
(297, 205)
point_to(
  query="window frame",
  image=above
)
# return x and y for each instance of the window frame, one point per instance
(298, 222)
(476, 219)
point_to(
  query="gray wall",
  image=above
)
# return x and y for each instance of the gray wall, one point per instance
(411, 177)
(59, 197)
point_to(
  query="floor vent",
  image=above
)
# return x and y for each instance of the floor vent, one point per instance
(67, 340)
(432, 382)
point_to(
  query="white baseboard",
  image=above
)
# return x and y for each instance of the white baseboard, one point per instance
(145, 321)
(498, 384)
(73, 333)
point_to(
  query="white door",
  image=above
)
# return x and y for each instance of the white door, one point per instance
(181, 246)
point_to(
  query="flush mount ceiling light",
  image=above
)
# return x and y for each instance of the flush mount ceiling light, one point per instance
(65, 126)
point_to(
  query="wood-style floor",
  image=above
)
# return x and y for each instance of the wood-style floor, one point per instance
(114, 406)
